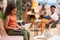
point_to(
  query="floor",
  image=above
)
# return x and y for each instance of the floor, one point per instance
(52, 30)
(12, 38)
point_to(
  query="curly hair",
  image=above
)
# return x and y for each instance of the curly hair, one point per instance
(9, 8)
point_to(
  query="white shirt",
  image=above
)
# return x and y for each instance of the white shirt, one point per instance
(55, 17)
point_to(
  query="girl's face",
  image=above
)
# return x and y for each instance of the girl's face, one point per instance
(14, 11)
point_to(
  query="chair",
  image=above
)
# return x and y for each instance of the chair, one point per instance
(52, 25)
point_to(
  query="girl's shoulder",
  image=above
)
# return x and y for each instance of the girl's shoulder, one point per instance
(8, 17)
(11, 17)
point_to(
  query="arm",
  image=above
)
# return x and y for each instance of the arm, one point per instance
(54, 17)
(3, 31)
(19, 26)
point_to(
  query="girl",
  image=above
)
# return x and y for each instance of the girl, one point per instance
(11, 21)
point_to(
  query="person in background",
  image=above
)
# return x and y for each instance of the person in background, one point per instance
(44, 13)
(11, 21)
(2, 30)
(54, 16)
(4, 4)
(53, 19)
(1, 12)
(43, 17)
(43, 10)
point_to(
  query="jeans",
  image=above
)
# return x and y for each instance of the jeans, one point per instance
(23, 33)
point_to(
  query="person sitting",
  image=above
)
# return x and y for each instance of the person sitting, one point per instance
(2, 30)
(11, 24)
(54, 18)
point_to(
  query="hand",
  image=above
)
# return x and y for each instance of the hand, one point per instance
(15, 28)
(50, 20)
(20, 27)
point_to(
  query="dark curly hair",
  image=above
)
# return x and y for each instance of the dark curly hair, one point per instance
(52, 6)
(9, 8)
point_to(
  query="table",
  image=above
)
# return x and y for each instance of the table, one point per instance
(36, 29)
(31, 17)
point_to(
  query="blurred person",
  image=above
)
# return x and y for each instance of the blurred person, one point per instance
(42, 23)
(2, 29)
(54, 16)
(4, 4)
(11, 22)
(43, 10)
(43, 17)
(1, 12)
(53, 19)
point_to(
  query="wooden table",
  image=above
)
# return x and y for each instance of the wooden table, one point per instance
(36, 29)
(31, 17)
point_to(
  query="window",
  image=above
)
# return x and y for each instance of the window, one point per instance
(40, 2)
(52, 2)
(49, 2)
